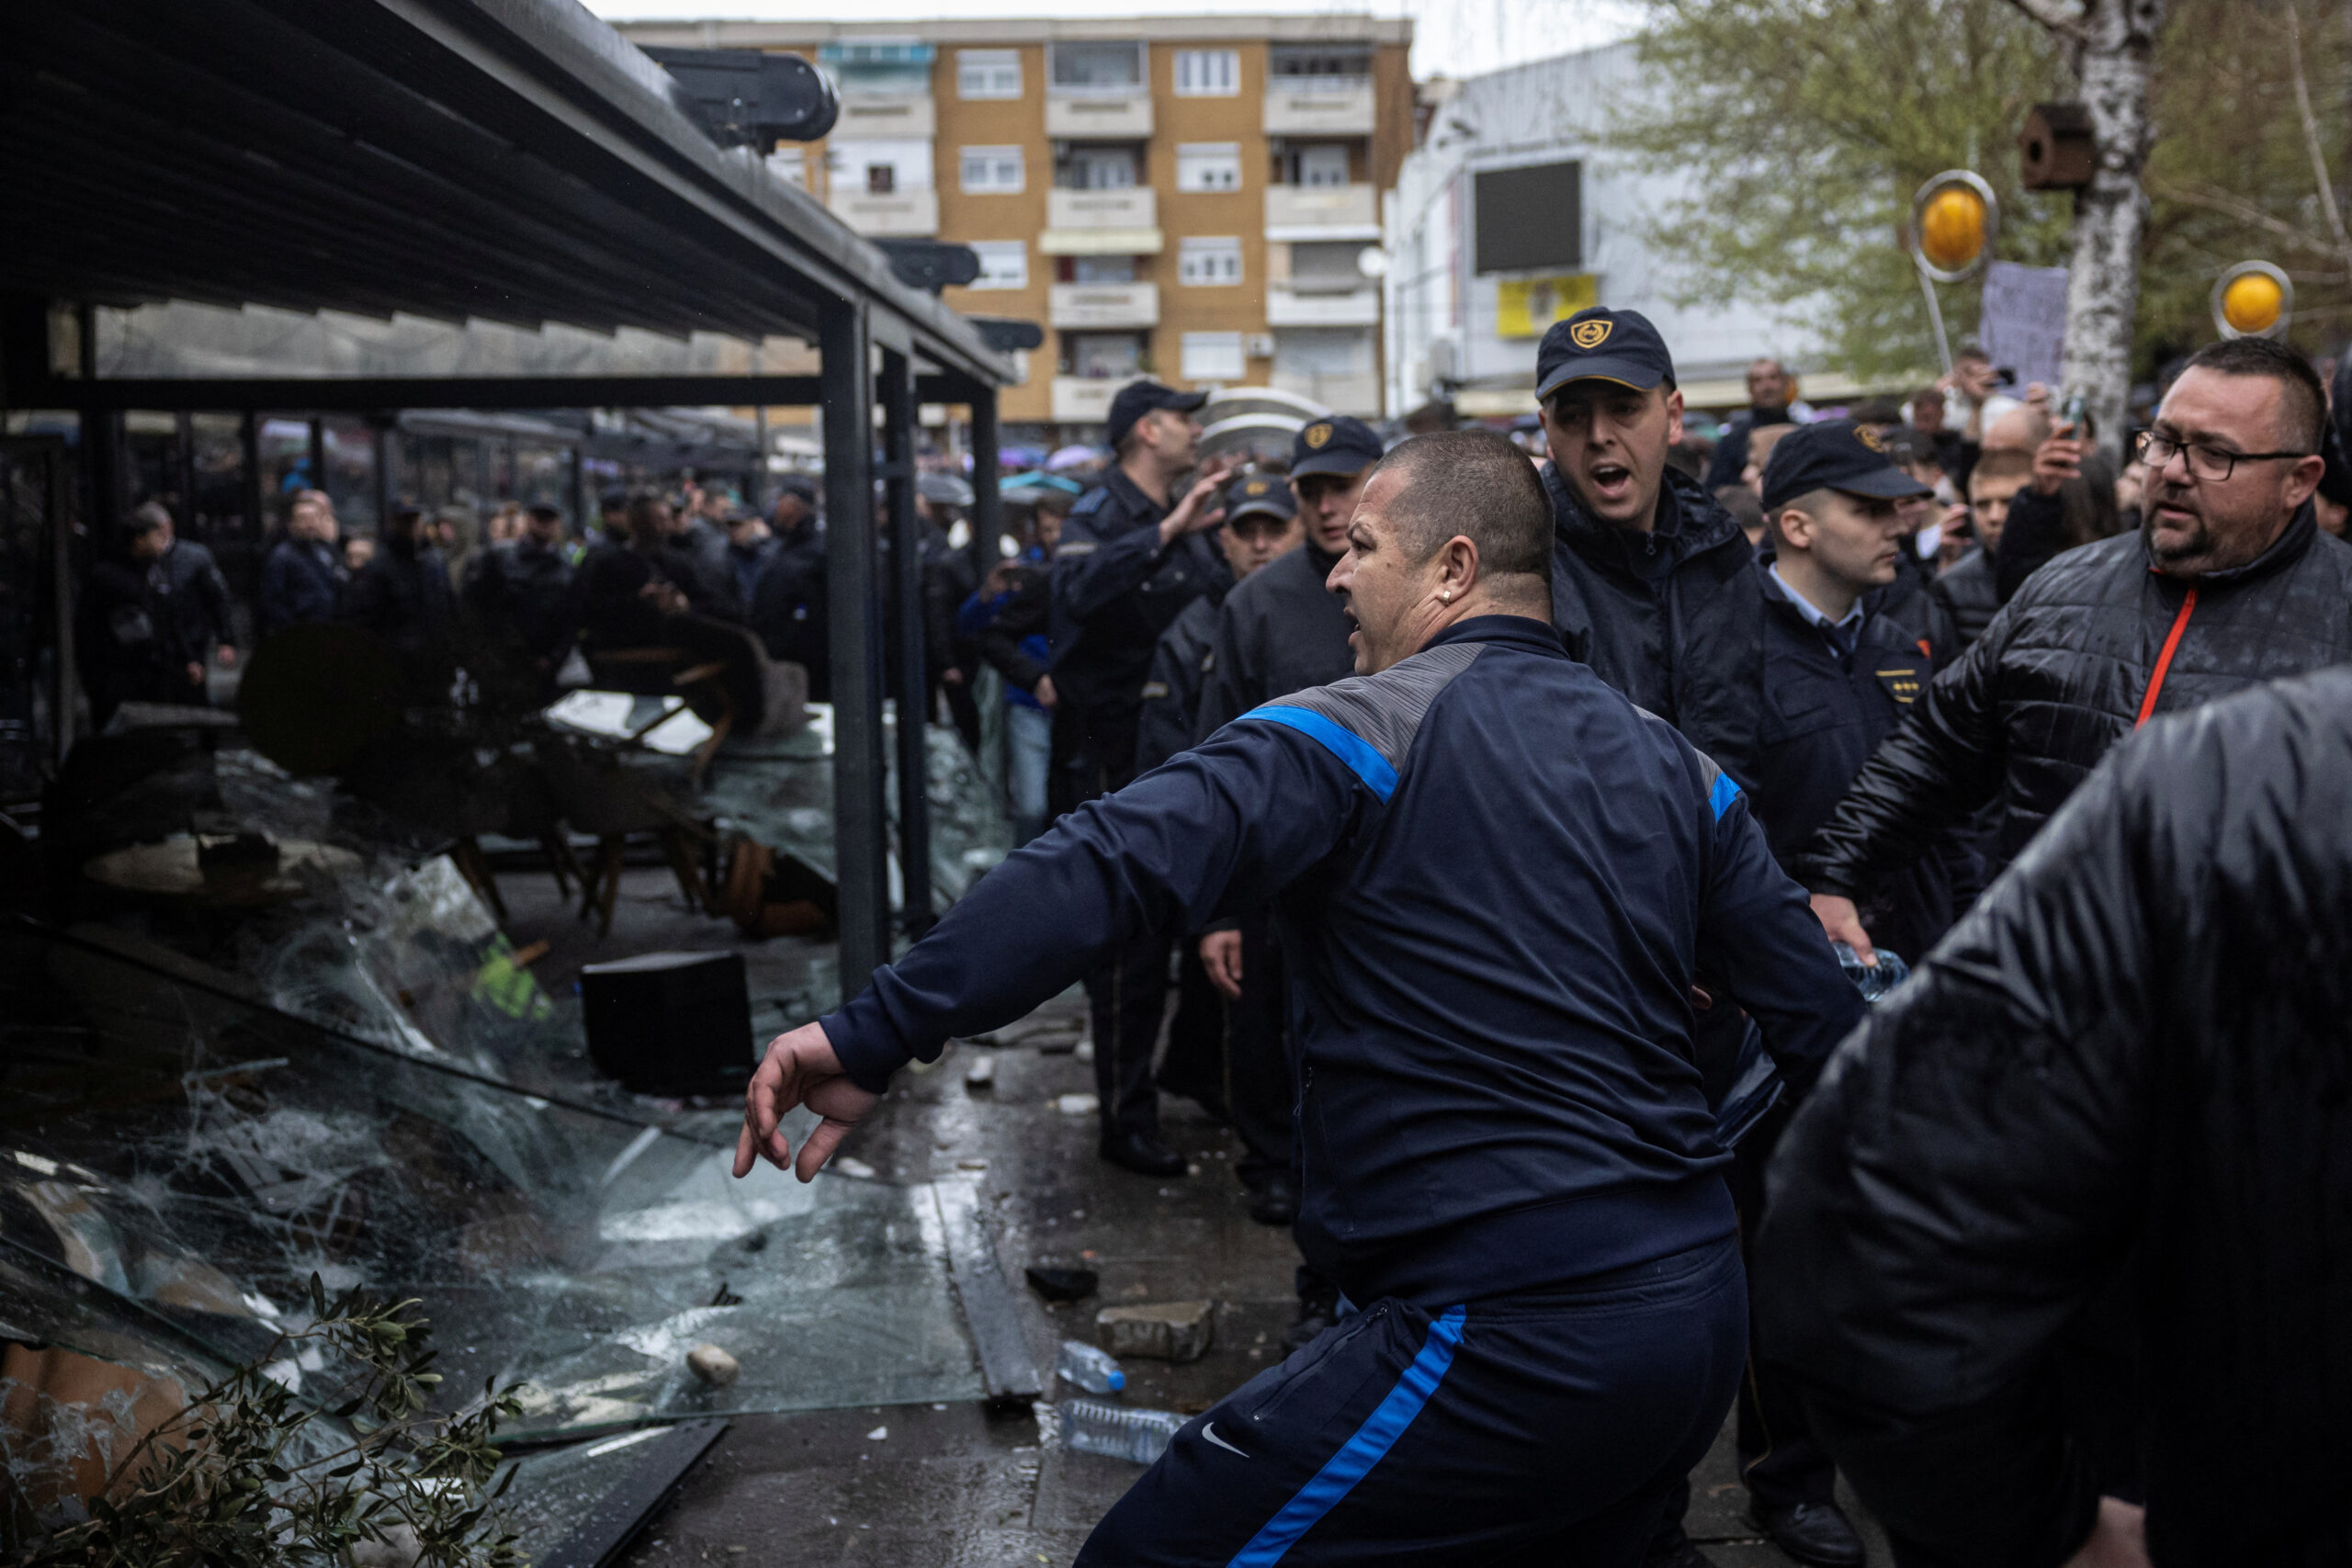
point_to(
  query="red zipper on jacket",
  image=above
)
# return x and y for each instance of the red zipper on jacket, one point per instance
(2163, 660)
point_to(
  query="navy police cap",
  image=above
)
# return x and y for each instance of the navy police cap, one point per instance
(1137, 398)
(1335, 445)
(1834, 454)
(1259, 494)
(1601, 344)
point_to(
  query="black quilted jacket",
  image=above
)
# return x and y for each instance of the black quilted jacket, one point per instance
(1673, 618)
(2061, 675)
(2137, 1046)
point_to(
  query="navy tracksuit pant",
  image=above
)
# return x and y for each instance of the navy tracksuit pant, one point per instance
(1543, 1427)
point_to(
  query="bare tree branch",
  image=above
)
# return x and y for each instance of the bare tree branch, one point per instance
(2233, 206)
(2310, 135)
(2048, 13)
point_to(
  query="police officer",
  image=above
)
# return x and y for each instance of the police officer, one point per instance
(1497, 879)
(1281, 632)
(1212, 1058)
(151, 622)
(1131, 558)
(1653, 587)
(1838, 676)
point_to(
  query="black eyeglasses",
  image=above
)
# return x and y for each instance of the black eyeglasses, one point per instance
(2214, 465)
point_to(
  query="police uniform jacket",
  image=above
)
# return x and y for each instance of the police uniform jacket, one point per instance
(1494, 880)
(301, 582)
(1114, 591)
(1825, 710)
(1172, 698)
(1672, 617)
(1280, 631)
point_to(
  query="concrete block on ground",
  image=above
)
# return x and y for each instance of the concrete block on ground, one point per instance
(1165, 1331)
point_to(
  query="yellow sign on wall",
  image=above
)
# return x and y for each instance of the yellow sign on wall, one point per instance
(1525, 306)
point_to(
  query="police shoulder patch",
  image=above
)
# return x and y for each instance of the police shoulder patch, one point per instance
(1902, 682)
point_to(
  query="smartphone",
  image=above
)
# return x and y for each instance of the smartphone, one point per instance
(2075, 416)
(2005, 375)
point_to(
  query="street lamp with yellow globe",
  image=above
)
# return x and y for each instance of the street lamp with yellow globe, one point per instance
(1954, 221)
(2252, 299)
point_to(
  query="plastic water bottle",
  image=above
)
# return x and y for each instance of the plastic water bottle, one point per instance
(1872, 980)
(1091, 1427)
(1091, 1368)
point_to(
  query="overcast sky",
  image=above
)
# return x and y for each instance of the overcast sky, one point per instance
(1456, 38)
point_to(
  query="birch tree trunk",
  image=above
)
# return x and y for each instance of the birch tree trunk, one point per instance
(2114, 47)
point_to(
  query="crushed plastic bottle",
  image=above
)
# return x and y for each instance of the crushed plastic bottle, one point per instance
(1091, 1427)
(1091, 1368)
(1872, 980)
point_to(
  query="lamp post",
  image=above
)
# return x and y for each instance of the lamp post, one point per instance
(1954, 221)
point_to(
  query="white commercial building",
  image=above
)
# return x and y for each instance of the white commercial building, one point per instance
(1512, 214)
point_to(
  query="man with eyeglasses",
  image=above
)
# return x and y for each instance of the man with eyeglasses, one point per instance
(2228, 582)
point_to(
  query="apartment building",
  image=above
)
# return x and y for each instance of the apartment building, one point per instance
(1197, 200)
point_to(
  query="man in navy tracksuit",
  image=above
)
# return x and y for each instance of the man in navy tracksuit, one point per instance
(1496, 878)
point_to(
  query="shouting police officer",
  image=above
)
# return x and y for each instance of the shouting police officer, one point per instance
(1131, 558)
(1497, 879)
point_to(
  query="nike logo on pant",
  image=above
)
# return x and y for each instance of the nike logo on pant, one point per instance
(1208, 1430)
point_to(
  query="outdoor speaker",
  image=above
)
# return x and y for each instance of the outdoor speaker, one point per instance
(670, 1023)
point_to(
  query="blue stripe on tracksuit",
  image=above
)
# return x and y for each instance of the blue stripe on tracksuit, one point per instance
(1358, 753)
(1368, 1448)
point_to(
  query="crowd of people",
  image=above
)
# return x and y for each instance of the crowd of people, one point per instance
(1493, 807)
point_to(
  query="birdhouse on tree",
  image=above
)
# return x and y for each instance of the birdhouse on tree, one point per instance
(2055, 150)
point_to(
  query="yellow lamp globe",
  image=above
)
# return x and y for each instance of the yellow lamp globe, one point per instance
(1952, 228)
(2251, 303)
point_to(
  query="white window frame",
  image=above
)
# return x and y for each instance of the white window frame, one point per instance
(1209, 73)
(1213, 356)
(1209, 261)
(1004, 263)
(1200, 164)
(980, 73)
(993, 164)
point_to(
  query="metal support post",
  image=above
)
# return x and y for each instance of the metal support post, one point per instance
(249, 462)
(380, 431)
(988, 501)
(898, 415)
(861, 860)
(183, 468)
(576, 486)
(319, 461)
(1935, 319)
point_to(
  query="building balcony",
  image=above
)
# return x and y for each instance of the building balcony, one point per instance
(1086, 305)
(1101, 223)
(1320, 105)
(905, 214)
(1355, 392)
(887, 115)
(1121, 117)
(1297, 307)
(1084, 400)
(1322, 212)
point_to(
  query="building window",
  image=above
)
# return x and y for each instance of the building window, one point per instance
(1317, 163)
(1208, 72)
(1213, 356)
(1310, 68)
(1101, 269)
(1097, 67)
(1004, 263)
(1208, 165)
(1214, 263)
(1327, 264)
(988, 72)
(880, 167)
(992, 171)
(1088, 167)
(1104, 356)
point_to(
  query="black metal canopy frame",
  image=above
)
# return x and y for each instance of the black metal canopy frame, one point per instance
(511, 161)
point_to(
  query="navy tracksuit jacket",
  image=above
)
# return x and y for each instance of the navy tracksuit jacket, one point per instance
(1496, 878)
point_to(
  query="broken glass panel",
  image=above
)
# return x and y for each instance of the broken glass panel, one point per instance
(191, 1158)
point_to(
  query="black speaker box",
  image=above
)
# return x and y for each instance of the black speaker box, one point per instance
(670, 1023)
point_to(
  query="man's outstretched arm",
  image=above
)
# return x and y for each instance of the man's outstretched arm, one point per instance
(1226, 824)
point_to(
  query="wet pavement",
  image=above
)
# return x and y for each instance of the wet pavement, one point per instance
(927, 1485)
